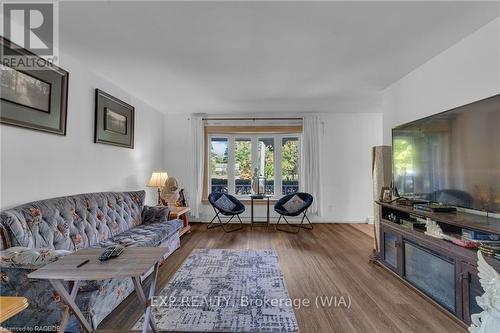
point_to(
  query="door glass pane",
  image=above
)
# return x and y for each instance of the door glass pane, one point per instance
(290, 165)
(266, 162)
(243, 166)
(475, 290)
(432, 274)
(390, 249)
(218, 164)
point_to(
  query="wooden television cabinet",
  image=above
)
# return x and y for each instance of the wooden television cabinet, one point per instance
(441, 270)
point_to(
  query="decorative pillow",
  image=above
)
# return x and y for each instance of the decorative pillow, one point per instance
(23, 257)
(154, 214)
(294, 204)
(223, 203)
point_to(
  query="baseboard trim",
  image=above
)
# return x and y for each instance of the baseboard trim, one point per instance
(246, 220)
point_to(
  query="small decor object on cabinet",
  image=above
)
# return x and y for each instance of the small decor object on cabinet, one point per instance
(35, 96)
(114, 121)
(386, 194)
(170, 192)
(487, 321)
(393, 218)
(433, 229)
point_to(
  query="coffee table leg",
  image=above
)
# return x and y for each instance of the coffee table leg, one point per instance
(67, 313)
(70, 301)
(148, 320)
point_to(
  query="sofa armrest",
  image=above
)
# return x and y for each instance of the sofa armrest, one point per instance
(155, 214)
(23, 257)
(4, 238)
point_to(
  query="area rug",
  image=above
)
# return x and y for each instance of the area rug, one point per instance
(218, 290)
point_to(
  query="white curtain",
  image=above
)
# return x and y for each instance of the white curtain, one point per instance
(198, 160)
(382, 176)
(311, 151)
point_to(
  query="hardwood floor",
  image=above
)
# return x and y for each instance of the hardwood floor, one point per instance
(331, 260)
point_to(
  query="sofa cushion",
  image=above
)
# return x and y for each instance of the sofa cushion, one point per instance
(23, 257)
(153, 214)
(73, 222)
(150, 234)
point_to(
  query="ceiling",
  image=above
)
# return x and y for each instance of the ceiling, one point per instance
(256, 57)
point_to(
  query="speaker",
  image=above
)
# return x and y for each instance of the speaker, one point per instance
(382, 176)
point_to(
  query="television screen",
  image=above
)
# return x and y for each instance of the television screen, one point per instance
(452, 157)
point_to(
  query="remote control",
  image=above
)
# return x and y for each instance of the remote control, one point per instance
(111, 252)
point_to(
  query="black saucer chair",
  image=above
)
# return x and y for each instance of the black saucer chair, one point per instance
(294, 228)
(236, 211)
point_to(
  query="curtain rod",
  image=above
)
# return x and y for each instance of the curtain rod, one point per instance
(255, 118)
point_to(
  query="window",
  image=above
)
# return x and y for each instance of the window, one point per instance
(289, 165)
(242, 165)
(236, 157)
(218, 164)
(265, 157)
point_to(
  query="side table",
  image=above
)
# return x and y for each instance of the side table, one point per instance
(133, 263)
(181, 213)
(10, 306)
(259, 197)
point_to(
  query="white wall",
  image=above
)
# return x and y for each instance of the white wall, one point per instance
(466, 72)
(37, 165)
(348, 138)
(347, 161)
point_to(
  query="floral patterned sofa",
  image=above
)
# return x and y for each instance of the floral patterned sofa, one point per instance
(37, 233)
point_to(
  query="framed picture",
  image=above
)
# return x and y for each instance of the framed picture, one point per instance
(386, 194)
(114, 121)
(32, 98)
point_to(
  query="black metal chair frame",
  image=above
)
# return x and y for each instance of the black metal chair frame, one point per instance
(218, 212)
(299, 226)
(212, 225)
(295, 226)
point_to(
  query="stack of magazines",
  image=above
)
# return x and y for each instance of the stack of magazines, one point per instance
(488, 244)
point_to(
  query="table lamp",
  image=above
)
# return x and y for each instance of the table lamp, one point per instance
(157, 180)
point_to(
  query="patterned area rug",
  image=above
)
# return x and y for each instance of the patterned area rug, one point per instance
(218, 290)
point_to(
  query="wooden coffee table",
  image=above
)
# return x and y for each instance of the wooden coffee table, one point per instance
(132, 263)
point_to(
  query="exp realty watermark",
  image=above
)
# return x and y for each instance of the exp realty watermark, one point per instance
(32, 27)
(320, 301)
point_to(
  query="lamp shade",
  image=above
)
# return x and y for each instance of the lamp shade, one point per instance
(157, 179)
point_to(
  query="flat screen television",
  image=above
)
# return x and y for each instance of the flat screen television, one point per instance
(452, 157)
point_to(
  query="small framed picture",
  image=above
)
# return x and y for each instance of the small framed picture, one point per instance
(114, 121)
(386, 194)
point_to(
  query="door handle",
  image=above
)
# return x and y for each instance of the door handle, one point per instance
(464, 276)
